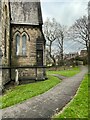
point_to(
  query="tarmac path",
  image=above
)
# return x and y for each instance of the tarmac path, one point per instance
(45, 105)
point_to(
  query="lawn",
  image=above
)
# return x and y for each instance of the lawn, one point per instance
(21, 93)
(24, 92)
(78, 108)
(68, 73)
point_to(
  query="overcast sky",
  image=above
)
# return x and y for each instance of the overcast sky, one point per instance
(65, 12)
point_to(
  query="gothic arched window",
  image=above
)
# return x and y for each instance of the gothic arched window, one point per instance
(21, 40)
(17, 44)
(24, 38)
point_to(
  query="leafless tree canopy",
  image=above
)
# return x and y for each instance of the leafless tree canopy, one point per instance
(79, 31)
(54, 34)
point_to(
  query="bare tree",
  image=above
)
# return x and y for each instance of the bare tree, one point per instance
(48, 59)
(60, 43)
(53, 33)
(79, 31)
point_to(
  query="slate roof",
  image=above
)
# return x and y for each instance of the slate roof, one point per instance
(26, 13)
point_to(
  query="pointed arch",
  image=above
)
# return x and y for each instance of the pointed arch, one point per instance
(17, 38)
(21, 43)
(26, 34)
(24, 40)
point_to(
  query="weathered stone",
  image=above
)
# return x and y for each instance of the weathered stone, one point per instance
(24, 19)
(5, 38)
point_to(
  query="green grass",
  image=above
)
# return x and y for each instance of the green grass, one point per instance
(21, 93)
(67, 73)
(24, 92)
(78, 108)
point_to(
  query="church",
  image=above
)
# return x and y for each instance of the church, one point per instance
(22, 41)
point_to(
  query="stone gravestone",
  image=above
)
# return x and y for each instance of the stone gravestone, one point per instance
(16, 80)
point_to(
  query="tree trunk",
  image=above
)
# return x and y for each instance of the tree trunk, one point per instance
(54, 61)
(51, 56)
(62, 49)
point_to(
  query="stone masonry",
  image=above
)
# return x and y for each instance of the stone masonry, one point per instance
(5, 21)
(18, 19)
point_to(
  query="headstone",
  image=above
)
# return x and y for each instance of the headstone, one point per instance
(16, 80)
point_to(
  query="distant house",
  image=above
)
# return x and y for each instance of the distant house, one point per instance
(70, 55)
(69, 59)
(83, 56)
(83, 53)
(23, 42)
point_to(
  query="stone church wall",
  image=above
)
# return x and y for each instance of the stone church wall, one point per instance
(5, 35)
(5, 39)
(29, 73)
(5, 76)
(9, 50)
(30, 58)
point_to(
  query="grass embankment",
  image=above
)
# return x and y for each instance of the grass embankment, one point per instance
(24, 92)
(78, 108)
(68, 73)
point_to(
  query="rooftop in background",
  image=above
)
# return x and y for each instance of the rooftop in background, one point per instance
(83, 53)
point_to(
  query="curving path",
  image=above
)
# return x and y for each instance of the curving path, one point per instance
(45, 105)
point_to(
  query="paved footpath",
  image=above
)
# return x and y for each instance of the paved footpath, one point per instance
(45, 105)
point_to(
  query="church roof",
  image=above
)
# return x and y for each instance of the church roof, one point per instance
(26, 13)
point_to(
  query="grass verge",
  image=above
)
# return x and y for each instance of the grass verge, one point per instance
(24, 92)
(67, 73)
(78, 108)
